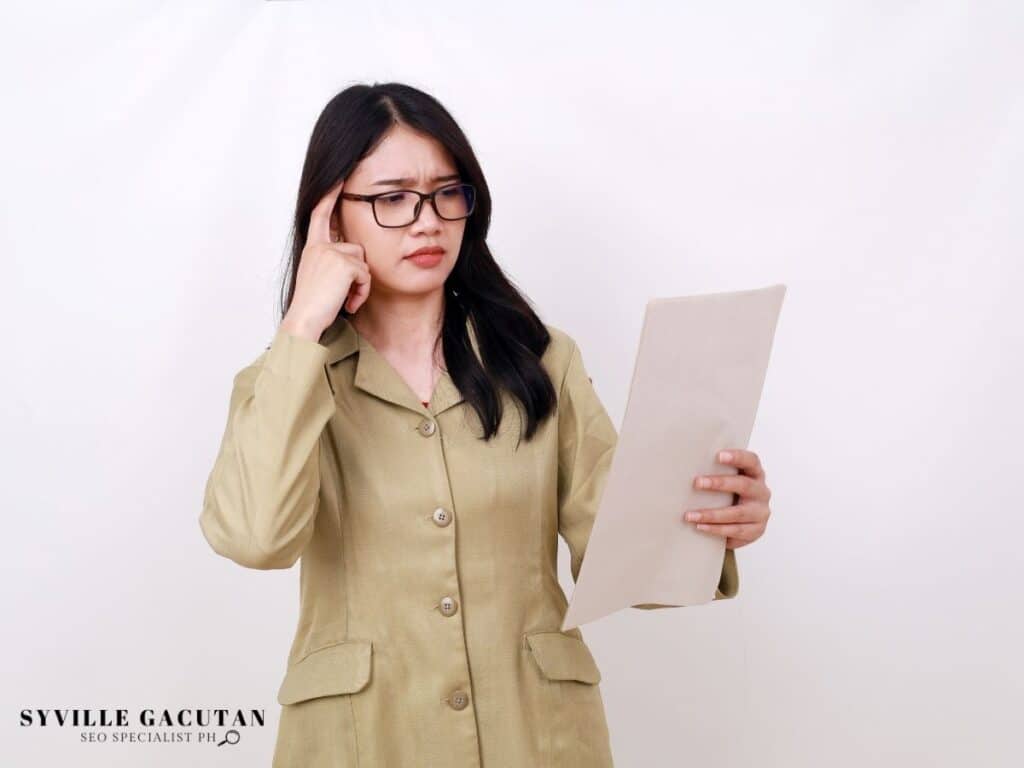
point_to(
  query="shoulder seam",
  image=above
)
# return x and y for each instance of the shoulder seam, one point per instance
(573, 352)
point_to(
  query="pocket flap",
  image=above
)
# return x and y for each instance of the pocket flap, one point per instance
(339, 668)
(563, 657)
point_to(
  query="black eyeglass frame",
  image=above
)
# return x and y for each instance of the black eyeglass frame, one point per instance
(371, 199)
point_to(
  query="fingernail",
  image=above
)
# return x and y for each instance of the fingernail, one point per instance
(704, 482)
(725, 456)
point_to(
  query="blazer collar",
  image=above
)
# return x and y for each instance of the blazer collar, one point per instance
(376, 376)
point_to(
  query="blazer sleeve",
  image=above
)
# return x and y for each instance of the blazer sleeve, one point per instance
(586, 443)
(262, 494)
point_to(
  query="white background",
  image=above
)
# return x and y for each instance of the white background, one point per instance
(867, 155)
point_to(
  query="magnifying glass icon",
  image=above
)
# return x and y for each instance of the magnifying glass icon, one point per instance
(231, 737)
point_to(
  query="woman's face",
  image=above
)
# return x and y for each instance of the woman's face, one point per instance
(404, 159)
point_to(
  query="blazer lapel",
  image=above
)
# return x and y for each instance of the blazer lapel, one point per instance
(376, 376)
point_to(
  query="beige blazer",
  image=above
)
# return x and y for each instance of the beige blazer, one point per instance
(430, 607)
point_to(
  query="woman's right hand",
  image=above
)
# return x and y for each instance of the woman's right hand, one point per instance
(330, 273)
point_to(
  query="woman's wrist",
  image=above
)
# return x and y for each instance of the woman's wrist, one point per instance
(298, 326)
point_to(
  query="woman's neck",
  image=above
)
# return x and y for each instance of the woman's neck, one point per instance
(404, 330)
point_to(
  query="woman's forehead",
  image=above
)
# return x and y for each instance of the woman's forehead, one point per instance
(405, 157)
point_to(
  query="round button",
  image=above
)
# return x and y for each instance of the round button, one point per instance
(459, 700)
(427, 427)
(442, 516)
(448, 606)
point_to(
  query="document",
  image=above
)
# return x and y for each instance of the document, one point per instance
(696, 386)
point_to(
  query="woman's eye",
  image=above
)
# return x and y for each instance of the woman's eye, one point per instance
(393, 199)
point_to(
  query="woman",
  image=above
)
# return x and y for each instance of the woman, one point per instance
(419, 437)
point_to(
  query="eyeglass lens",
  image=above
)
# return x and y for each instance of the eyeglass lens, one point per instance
(398, 209)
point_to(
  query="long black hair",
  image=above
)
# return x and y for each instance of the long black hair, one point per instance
(510, 335)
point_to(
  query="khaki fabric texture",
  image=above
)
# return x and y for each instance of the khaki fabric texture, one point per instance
(428, 630)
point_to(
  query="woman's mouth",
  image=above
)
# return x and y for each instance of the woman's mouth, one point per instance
(429, 256)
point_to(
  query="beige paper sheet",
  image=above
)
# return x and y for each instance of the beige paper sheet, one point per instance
(697, 381)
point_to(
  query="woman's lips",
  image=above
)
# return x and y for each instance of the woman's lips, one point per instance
(429, 257)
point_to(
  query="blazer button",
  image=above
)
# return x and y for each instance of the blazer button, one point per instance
(459, 700)
(448, 606)
(442, 517)
(427, 427)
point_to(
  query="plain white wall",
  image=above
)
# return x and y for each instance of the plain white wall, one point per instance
(868, 155)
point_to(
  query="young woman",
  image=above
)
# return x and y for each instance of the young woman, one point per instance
(419, 437)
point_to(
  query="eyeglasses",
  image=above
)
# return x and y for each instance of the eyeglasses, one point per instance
(401, 207)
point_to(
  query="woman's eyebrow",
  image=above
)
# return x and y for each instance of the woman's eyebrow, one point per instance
(409, 181)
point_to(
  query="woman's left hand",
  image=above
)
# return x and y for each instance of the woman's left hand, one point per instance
(746, 518)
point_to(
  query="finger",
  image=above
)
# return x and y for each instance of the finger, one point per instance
(736, 513)
(746, 461)
(359, 291)
(320, 220)
(745, 531)
(362, 274)
(358, 298)
(746, 487)
(360, 254)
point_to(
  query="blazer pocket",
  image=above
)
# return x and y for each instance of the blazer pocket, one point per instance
(563, 657)
(342, 667)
